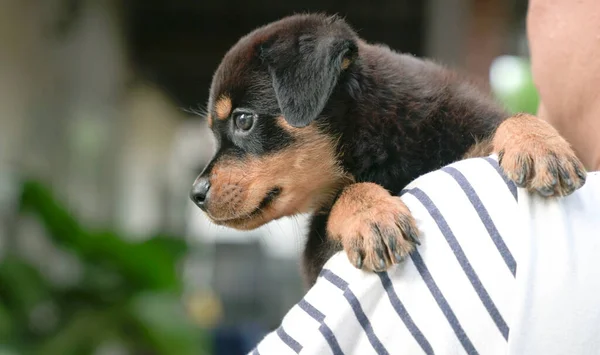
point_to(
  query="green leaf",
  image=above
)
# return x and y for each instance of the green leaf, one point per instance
(22, 287)
(148, 265)
(165, 325)
(81, 335)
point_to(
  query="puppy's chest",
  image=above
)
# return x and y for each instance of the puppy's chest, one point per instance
(380, 161)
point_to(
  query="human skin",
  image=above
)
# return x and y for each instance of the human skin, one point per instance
(564, 39)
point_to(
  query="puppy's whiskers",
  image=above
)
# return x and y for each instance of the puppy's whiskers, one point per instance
(199, 110)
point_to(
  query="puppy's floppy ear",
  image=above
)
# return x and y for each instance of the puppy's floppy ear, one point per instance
(305, 70)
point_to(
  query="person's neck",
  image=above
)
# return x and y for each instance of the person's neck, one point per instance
(582, 132)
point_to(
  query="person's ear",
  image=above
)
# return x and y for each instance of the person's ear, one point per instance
(305, 74)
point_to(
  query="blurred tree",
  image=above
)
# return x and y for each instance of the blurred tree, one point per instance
(129, 295)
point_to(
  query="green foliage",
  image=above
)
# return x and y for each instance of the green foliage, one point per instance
(129, 293)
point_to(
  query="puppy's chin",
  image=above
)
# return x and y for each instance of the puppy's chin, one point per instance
(243, 224)
(278, 206)
(247, 220)
(251, 221)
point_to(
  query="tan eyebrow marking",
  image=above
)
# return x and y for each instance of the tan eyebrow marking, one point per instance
(346, 63)
(223, 107)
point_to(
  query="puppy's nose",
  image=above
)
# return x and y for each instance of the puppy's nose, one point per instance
(199, 192)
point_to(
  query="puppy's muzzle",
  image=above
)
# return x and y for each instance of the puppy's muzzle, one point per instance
(199, 192)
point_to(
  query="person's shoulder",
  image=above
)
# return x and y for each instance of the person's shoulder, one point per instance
(465, 203)
(478, 182)
(465, 176)
(463, 270)
(451, 204)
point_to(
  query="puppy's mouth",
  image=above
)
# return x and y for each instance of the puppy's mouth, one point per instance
(270, 196)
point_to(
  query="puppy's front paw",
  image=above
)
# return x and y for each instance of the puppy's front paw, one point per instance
(375, 228)
(534, 155)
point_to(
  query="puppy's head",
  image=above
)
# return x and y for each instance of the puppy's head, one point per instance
(275, 155)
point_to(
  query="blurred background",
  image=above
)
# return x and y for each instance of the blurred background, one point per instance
(101, 251)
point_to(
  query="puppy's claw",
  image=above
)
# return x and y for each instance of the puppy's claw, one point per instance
(500, 156)
(413, 238)
(381, 264)
(359, 260)
(379, 249)
(546, 191)
(581, 174)
(397, 257)
(410, 232)
(391, 243)
(521, 179)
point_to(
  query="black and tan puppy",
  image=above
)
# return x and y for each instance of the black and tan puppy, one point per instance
(310, 118)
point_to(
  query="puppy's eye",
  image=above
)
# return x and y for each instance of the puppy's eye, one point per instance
(244, 120)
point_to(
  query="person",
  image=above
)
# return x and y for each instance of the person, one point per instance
(499, 270)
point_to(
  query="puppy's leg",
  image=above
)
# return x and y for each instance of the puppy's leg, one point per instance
(319, 247)
(375, 228)
(534, 155)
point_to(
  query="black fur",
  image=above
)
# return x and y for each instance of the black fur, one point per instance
(397, 117)
(299, 61)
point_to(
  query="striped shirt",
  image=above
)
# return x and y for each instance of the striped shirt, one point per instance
(459, 292)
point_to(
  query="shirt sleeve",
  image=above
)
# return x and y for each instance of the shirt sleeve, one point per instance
(557, 307)
(453, 295)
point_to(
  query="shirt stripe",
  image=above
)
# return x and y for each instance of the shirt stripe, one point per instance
(288, 340)
(403, 313)
(442, 303)
(462, 260)
(323, 328)
(311, 310)
(334, 279)
(485, 217)
(357, 309)
(509, 183)
(331, 340)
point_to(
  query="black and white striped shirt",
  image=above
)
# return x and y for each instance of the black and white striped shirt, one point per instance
(458, 293)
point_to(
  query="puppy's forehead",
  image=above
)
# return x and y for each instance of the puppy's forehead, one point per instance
(239, 72)
(242, 70)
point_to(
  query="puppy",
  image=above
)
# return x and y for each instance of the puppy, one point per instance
(310, 118)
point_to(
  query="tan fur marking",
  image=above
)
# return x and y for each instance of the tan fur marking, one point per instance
(308, 174)
(223, 107)
(371, 225)
(534, 155)
(346, 63)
